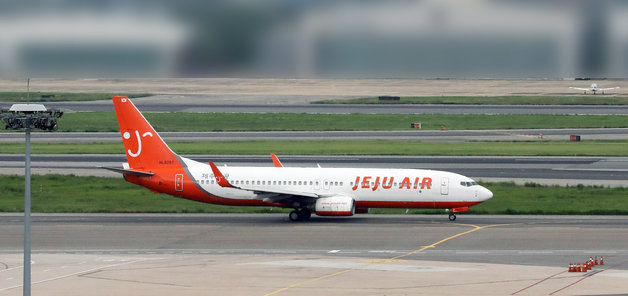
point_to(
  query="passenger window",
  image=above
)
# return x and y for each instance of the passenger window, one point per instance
(340, 183)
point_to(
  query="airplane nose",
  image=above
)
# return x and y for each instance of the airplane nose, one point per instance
(485, 194)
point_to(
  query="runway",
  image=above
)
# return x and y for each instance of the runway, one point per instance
(173, 104)
(266, 254)
(405, 135)
(607, 171)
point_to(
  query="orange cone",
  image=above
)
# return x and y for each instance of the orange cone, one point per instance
(601, 260)
(570, 267)
(595, 260)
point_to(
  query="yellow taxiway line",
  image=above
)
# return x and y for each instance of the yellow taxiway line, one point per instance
(374, 262)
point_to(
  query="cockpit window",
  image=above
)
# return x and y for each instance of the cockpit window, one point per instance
(468, 184)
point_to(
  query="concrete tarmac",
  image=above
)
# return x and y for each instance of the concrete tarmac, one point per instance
(266, 254)
(276, 89)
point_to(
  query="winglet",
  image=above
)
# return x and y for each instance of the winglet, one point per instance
(220, 179)
(276, 161)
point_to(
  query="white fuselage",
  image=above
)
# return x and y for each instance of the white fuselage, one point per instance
(368, 187)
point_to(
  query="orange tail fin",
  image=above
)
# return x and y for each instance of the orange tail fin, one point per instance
(145, 149)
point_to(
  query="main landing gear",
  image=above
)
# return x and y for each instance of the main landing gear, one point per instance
(452, 217)
(300, 214)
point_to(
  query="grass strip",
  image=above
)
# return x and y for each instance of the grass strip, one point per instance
(550, 148)
(199, 122)
(490, 100)
(60, 96)
(72, 194)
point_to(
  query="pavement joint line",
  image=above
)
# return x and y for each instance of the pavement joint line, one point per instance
(586, 276)
(393, 259)
(534, 284)
(76, 273)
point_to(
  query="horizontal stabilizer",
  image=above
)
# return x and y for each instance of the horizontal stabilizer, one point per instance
(125, 171)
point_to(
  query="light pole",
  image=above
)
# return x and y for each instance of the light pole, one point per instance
(29, 116)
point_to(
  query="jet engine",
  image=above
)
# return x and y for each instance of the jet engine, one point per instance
(335, 206)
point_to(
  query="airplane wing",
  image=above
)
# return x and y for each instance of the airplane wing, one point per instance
(125, 171)
(580, 88)
(274, 194)
(608, 88)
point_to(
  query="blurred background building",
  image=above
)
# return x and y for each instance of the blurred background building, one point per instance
(509, 39)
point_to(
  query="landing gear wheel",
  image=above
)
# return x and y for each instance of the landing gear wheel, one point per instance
(304, 214)
(294, 216)
(452, 217)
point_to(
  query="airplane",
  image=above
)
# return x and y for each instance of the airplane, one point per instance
(593, 88)
(322, 191)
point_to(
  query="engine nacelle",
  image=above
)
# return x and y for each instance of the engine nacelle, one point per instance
(335, 206)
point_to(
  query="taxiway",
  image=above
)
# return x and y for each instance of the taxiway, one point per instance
(265, 254)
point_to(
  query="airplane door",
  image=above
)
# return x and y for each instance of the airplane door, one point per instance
(178, 182)
(444, 186)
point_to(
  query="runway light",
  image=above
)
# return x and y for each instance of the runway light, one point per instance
(29, 116)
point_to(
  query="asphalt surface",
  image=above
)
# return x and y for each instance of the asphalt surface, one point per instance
(181, 105)
(407, 135)
(522, 240)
